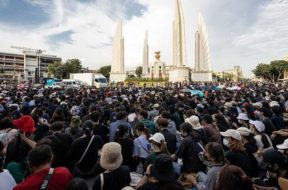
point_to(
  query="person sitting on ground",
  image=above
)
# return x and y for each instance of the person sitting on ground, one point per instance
(276, 166)
(122, 137)
(171, 124)
(143, 117)
(40, 159)
(170, 139)
(211, 131)
(121, 120)
(74, 129)
(214, 158)
(158, 147)
(83, 154)
(233, 178)
(115, 176)
(237, 154)
(189, 149)
(160, 175)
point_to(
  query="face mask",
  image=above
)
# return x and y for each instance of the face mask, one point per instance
(226, 143)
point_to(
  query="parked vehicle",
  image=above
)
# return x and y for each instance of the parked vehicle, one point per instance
(90, 79)
(72, 83)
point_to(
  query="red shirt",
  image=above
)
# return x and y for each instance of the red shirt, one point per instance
(59, 180)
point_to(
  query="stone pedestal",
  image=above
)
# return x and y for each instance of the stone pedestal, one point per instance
(179, 74)
(202, 76)
(117, 77)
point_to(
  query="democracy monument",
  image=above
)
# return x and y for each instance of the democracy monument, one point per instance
(178, 71)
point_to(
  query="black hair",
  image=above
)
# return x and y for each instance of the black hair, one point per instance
(121, 115)
(142, 128)
(57, 126)
(94, 116)
(40, 155)
(207, 118)
(216, 151)
(166, 114)
(88, 127)
(144, 114)
(163, 122)
(121, 132)
(77, 184)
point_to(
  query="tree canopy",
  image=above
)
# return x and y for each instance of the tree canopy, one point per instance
(273, 71)
(63, 70)
(139, 71)
(105, 70)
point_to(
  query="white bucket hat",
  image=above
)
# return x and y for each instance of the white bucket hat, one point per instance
(157, 137)
(259, 125)
(111, 156)
(283, 146)
(232, 133)
(244, 131)
(243, 116)
(194, 121)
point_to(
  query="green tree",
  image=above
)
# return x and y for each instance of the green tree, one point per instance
(105, 70)
(1, 70)
(63, 70)
(139, 71)
(279, 66)
(56, 69)
(273, 71)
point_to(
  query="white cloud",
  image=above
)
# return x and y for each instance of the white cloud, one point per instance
(92, 24)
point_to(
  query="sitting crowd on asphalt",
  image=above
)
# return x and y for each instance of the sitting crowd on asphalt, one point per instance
(198, 136)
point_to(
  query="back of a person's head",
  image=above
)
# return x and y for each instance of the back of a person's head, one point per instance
(94, 116)
(233, 178)
(166, 114)
(216, 151)
(207, 118)
(57, 126)
(40, 155)
(121, 115)
(144, 114)
(163, 122)
(92, 108)
(77, 184)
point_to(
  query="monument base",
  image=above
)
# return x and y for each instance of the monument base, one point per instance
(179, 74)
(202, 76)
(117, 77)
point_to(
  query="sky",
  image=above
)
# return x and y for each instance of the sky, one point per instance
(243, 33)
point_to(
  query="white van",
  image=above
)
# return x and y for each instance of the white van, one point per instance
(72, 83)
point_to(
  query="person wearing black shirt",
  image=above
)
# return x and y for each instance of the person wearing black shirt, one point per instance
(86, 166)
(169, 137)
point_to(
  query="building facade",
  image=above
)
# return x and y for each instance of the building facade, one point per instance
(235, 74)
(19, 67)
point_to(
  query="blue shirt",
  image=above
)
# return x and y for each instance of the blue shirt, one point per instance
(142, 147)
(114, 126)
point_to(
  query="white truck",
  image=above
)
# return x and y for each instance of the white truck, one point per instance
(90, 79)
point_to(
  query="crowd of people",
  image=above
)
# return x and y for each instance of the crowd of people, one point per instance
(158, 138)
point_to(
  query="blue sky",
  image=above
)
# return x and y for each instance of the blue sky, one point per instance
(242, 33)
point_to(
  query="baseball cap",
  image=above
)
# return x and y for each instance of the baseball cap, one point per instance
(157, 137)
(283, 146)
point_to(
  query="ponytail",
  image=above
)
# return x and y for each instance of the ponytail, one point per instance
(147, 133)
(142, 128)
(163, 148)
